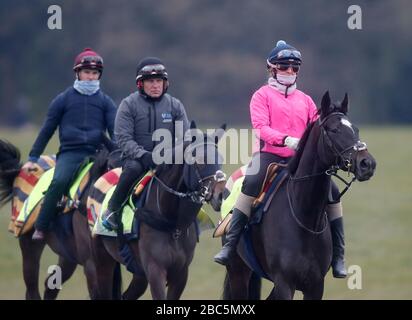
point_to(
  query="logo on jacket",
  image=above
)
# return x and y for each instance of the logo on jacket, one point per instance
(167, 117)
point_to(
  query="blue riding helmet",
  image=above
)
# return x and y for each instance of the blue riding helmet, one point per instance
(283, 52)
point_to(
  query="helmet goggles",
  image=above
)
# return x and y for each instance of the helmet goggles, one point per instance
(93, 62)
(152, 71)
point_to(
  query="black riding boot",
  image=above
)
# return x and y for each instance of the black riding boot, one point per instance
(237, 224)
(110, 220)
(338, 241)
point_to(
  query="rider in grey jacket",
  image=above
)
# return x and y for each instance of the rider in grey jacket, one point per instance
(138, 116)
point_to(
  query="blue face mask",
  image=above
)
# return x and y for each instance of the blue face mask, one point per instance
(87, 87)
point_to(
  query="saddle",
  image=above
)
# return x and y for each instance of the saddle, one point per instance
(101, 193)
(270, 186)
(29, 209)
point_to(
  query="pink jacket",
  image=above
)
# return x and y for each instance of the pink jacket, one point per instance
(277, 117)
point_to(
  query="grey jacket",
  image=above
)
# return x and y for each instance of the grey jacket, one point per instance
(138, 117)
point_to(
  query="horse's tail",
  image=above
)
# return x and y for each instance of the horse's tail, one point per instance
(117, 282)
(255, 286)
(9, 169)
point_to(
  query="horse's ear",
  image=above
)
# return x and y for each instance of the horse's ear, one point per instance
(325, 104)
(218, 134)
(192, 124)
(344, 105)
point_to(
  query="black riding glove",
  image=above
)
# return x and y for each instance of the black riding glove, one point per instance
(147, 161)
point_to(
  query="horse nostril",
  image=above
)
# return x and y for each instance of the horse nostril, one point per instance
(365, 164)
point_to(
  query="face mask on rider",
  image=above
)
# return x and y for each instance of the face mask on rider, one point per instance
(87, 87)
(286, 79)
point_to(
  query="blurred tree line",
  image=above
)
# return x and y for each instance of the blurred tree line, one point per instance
(215, 52)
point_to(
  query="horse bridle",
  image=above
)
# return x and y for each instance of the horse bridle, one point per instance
(198, 196)
(346, 162)
(358, 146)
(204, 194)
(339, 155)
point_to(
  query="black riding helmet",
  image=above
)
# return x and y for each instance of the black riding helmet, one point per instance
(148, 68)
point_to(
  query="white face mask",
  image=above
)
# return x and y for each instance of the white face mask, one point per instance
(87, 87)
(286, 79)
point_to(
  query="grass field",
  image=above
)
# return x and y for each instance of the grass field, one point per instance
(378, 221)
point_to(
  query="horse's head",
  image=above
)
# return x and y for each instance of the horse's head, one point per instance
(203, 167)
(339, 144)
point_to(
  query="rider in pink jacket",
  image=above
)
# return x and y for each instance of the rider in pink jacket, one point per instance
(277, 116)
(280, 113)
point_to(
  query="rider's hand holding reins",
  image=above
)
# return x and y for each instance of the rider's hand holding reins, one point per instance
(29, 167)
(291, 142)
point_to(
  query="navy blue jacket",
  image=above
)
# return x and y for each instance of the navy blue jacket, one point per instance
(81, 120)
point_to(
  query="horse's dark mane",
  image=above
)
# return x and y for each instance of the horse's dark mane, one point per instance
(100, 164)
(164, 167)
(294, 162)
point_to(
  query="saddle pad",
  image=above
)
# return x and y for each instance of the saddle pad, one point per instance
(80, 182)
(25, 218)
(229, 203)
(99, 198)
(127, 217)
(32, 205)
(235, 186)
(24, 184)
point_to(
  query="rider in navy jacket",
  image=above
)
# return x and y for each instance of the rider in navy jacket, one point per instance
(82, 113)
(81, 120)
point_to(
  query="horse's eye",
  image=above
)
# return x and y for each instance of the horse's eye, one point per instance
(334, 130)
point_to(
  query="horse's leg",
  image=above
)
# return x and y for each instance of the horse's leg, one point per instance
(315, 292)
(239, 278)
(176, 283)
(156, 276)
(282, 290)
(89, 270)
(136, 288)
(67, 268)
(31, 253)
(82, 238)
(105, 270)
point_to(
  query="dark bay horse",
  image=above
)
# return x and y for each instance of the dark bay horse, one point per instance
(77, 247)
(293, 242)
(168, 235)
